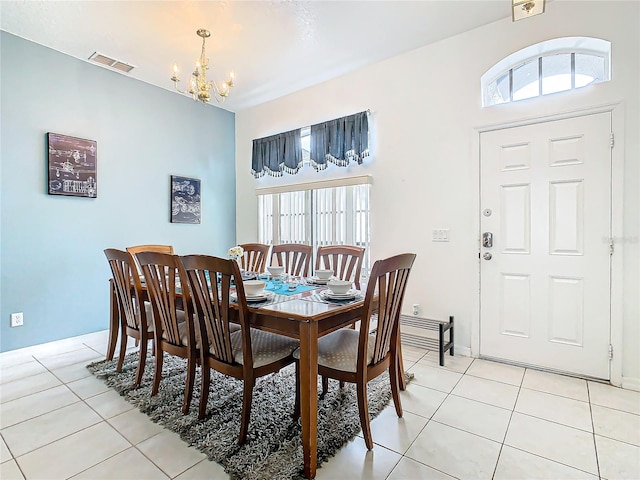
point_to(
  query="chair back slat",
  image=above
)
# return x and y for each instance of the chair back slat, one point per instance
(161, 274)
(128, 288)
(344, 260)
(210, 281)
(388, 281)
(255, 255)
(294, 257)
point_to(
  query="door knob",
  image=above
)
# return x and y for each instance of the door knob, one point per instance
(487, 256)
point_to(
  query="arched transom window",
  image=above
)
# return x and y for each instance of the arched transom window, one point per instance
(548, 67)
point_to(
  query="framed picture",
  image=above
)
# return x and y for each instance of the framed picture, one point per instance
(185, 200)
(72, 166)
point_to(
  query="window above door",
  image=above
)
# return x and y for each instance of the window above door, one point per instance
(556, 65)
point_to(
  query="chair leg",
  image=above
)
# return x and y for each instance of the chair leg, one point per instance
(296, 405)
(402, 382)
(158, 373)
(114, 321)
(188, 386)
(123, 348)
(246, 410)
(205, 381)
(395, 386)
(141, 361)
(363, 410)
(325, 386)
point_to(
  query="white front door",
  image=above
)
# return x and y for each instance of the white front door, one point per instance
(545, 282)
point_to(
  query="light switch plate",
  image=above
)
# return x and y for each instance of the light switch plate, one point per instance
(440, 235)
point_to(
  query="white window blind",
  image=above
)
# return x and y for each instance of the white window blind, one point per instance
(335, 212)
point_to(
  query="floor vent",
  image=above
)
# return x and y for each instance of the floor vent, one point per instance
(111, 62)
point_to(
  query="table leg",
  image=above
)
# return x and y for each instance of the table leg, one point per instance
(309, 396)
(114, 321)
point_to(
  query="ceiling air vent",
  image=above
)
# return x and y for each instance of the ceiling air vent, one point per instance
(111, 62)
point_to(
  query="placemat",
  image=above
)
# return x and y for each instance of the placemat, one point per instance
(316, 297)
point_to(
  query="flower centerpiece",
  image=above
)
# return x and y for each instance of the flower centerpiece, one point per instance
(236, 253)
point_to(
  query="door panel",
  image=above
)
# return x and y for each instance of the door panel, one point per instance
(545, 292)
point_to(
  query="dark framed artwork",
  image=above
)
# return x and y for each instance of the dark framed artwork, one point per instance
(72, 166)
(185, 200)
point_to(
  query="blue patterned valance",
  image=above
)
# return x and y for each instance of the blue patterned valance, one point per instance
(277, 154)
(340, 141)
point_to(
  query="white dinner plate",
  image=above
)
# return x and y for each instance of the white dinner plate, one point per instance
(319, 281)
(259, 298)
(340, 296)
(256, 298)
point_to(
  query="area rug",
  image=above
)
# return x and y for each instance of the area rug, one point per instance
(273, 449)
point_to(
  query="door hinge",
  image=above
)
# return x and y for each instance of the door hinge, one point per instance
(611, 246)
(610, 351)
(612, 142)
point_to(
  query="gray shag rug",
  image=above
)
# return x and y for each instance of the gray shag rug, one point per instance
(273, 449)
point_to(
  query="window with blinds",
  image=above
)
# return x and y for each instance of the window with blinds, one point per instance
(334, 215)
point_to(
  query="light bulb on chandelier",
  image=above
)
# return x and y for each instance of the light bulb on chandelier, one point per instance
(200, 88)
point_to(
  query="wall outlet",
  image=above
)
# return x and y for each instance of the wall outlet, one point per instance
(17, 319)
(416, 308)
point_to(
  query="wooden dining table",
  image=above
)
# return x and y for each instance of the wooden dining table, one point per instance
(307, 321)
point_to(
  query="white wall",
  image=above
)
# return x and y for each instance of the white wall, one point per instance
(425, 110)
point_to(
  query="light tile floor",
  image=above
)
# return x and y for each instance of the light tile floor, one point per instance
(470, 419)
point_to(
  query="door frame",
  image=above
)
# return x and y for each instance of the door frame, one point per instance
(617, 214)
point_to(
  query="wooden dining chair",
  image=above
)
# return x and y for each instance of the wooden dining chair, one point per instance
(344, 260)
(294, 257)
(136, 319)
(346, 263)
(173, 320)
(255, 255)
(359, 356)
(133, 250)
(245, 354)
(150, 248)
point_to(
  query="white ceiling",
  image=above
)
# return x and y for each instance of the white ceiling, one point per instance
(274, 47)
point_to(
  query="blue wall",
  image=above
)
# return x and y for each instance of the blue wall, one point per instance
(52, 265)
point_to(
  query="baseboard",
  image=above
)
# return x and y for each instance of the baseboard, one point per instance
(631, 383)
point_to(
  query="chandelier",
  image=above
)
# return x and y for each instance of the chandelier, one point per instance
(200, 88)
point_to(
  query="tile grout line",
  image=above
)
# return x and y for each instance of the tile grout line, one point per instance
(403, 455)
(106, 421)
(13, 457)
(513, 410)
(593, 426)
(436, 411)
(80, 400)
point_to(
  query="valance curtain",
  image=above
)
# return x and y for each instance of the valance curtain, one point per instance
(277, 154)
(340, 141)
